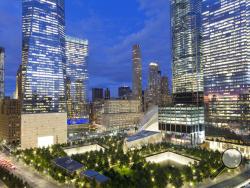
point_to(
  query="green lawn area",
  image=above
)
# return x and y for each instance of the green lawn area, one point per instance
(123, 170)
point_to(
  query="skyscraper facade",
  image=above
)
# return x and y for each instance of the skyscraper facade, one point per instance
(226, 49)
(165, 97)
(137, 73)
(107, 94)
(186, 43)
(43, 101)
(124, 92)
(2, 59)
(152, 95)
(154, 82)
(43, 56)
(97, 94)
(184, 121)
(76, 80)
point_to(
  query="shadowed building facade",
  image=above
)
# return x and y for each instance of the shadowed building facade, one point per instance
(2, 59)
(226, 49)
(124, 92)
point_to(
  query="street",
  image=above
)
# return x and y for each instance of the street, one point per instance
(30, 175)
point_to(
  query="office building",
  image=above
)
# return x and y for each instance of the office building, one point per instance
(2, 59)
(76, 80)
(97, 94)
(44, 117)
(124, 92)
(182, 124)
(186, 48)
(185, 118)
(10, 120)
(107, 94)
(120, 114)
(137, 73)
(18, 91)
(165, 97)
(226, 49)
(154, 86)
(43, 57)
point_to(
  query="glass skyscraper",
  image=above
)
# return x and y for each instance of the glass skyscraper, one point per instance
(76, 80)
(43, 56)
(226, 50)
(2, 59)
(152, 95)
(186, 43)
(183, 122)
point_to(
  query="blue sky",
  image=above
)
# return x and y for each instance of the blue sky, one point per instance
(111, 26)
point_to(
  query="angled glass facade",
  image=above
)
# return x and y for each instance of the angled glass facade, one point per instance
(2, 59)
(43, 56)
(76, 80)
(226, 49)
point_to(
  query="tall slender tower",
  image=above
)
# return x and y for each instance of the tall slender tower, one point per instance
(43, 56)
(2, 58)
(137, 73)
(226, 49)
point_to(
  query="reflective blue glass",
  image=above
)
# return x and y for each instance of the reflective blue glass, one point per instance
(43, 56)
(76, 79)
(226, 50)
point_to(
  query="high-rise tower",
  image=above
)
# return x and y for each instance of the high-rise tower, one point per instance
(76, 80)
(183, 122)
(152, 96)
(43, 56)
(137, 73)
(2, 59)
(186, 44)
(43, 101)
(226, 49)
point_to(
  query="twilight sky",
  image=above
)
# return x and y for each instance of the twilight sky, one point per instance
(111, 26)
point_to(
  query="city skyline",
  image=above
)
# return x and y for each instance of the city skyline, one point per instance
(197, 135)
(96, 21)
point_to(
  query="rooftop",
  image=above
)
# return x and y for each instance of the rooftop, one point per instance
(91, 174)
(68, 164)
(140, 135)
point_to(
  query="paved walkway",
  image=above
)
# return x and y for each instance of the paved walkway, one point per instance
(2, 185)
(28, 174)
(228, 180)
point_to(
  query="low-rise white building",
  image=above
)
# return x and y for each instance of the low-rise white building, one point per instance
(142, 138)
(83, 149)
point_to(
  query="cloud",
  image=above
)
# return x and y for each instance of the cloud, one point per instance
(154, 39)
